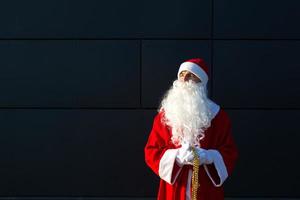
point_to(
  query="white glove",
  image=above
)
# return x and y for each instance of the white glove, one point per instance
(185, 155)
(204, 156)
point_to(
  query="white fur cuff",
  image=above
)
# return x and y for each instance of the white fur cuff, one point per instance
(219, 165)
(166, 166)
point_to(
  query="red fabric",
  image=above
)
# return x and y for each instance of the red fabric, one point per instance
(201, 63)
(218, 136)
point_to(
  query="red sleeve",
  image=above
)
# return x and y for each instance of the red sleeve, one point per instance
(228, 148)
(157, 146)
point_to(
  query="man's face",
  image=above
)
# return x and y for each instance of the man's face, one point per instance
(186, 76)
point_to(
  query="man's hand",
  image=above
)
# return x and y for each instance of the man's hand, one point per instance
(204, 156)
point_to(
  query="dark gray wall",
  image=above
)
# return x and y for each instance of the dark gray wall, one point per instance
(80, 82)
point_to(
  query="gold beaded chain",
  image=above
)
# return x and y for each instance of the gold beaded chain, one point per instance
(195, 176)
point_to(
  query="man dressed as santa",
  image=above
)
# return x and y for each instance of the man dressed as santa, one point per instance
(191, 139)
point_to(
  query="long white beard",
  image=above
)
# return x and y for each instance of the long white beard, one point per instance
(186, 111)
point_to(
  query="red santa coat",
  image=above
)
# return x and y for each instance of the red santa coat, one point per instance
(175, 182)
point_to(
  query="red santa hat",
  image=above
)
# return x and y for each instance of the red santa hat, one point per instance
(196, 66)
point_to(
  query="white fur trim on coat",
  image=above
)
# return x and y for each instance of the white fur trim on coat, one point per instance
(219, 165)
(166, 166)
(214, 108)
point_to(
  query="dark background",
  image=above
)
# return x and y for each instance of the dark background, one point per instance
(80, 83)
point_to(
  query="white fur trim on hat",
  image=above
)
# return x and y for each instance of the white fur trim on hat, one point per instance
(195, 69)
